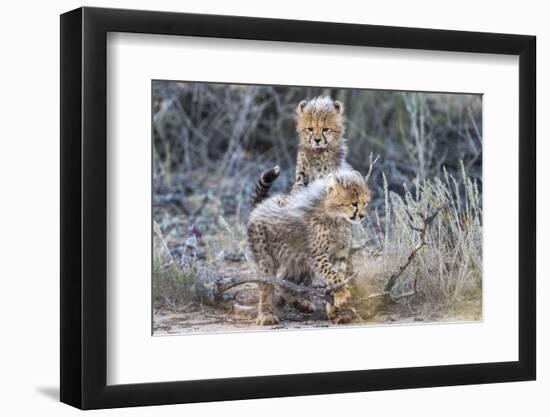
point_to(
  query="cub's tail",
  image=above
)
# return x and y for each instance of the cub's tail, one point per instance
(263, 185)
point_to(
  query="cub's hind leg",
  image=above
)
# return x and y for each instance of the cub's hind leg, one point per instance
(266, 317)
(266, 267)
(299, 277)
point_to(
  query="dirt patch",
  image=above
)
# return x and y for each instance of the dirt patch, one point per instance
(196, 318)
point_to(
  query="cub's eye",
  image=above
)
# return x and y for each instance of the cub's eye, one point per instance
(354, 205)
(325, 129)
(309, 129)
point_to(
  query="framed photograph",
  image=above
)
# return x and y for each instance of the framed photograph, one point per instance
(255, 208)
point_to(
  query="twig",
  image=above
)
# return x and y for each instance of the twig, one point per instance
(426, 221)
(371, 165)
(359, 248)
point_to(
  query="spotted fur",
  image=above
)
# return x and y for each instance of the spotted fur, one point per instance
(320, 124)
(310, 234)
(263, 185)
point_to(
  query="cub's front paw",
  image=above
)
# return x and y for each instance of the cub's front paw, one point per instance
(267, 319)
(337, 316)
(342, 296)
(342, 318)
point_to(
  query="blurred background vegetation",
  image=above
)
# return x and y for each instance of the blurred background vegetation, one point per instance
(211, 142)
(232, 131)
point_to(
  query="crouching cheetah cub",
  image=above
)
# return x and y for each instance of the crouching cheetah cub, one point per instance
(311, 233)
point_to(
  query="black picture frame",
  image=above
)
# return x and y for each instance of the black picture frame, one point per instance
(84, 207)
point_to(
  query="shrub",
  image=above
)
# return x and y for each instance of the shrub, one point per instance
(450, 265)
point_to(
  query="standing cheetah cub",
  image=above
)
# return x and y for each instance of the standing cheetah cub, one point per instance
(311, 233)
(320, 124)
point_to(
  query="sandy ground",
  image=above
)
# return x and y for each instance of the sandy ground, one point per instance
(195, 318)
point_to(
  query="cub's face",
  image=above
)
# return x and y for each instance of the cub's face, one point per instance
(320, 123)
(347, 196)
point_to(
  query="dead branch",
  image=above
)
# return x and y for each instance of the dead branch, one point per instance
(217, 294)
(374, 303)
(324, 293)
(243, 310)
(426, 221)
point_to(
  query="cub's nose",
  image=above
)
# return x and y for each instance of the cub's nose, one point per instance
(317, 140)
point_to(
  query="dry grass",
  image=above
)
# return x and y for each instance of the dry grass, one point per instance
(449, 267)
(172, 287)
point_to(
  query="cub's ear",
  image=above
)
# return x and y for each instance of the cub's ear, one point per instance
(332, 182)
(301, 106)
(339, 106)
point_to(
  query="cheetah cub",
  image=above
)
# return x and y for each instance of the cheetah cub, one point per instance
(320, 124)
(311, 233)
